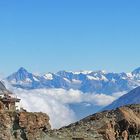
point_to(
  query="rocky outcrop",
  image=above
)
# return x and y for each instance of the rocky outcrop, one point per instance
(23, 125)
(120, 124)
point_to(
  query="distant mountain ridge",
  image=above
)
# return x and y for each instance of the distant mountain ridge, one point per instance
(132, 97)
(85, 81)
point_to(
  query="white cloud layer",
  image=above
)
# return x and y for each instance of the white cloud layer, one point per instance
(55, 102)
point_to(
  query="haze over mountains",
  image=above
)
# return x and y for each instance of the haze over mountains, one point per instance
(85, 81)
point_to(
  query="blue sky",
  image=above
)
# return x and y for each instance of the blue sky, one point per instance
(52, 35)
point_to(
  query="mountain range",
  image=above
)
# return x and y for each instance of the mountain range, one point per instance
(132, 97)
(85, 81)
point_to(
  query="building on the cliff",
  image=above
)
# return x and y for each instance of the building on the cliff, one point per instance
(10, 103)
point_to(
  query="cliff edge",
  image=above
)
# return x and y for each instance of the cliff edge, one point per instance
(22, 125)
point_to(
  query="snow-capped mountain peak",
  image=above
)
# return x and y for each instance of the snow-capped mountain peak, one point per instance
(82, 72)
(48, 76)
(21, 77)
(85, 81)
(22, 70)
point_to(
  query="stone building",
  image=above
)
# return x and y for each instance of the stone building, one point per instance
(10, 103)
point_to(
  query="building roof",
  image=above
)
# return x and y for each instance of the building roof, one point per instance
(10, 100)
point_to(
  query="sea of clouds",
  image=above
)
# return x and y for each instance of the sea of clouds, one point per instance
(55, 102)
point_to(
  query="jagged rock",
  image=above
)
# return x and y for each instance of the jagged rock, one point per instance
(23, 125)
(34, 124)
(120, 124)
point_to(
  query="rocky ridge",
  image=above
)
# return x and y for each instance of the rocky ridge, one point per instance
(120, 124)
(132, 97)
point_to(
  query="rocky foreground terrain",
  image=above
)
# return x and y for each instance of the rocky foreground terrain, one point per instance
(23, 125)
(120, 124)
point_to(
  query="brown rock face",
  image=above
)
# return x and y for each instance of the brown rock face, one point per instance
(120, 124)
(33, 123)
(23, 125)
(1, 107)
